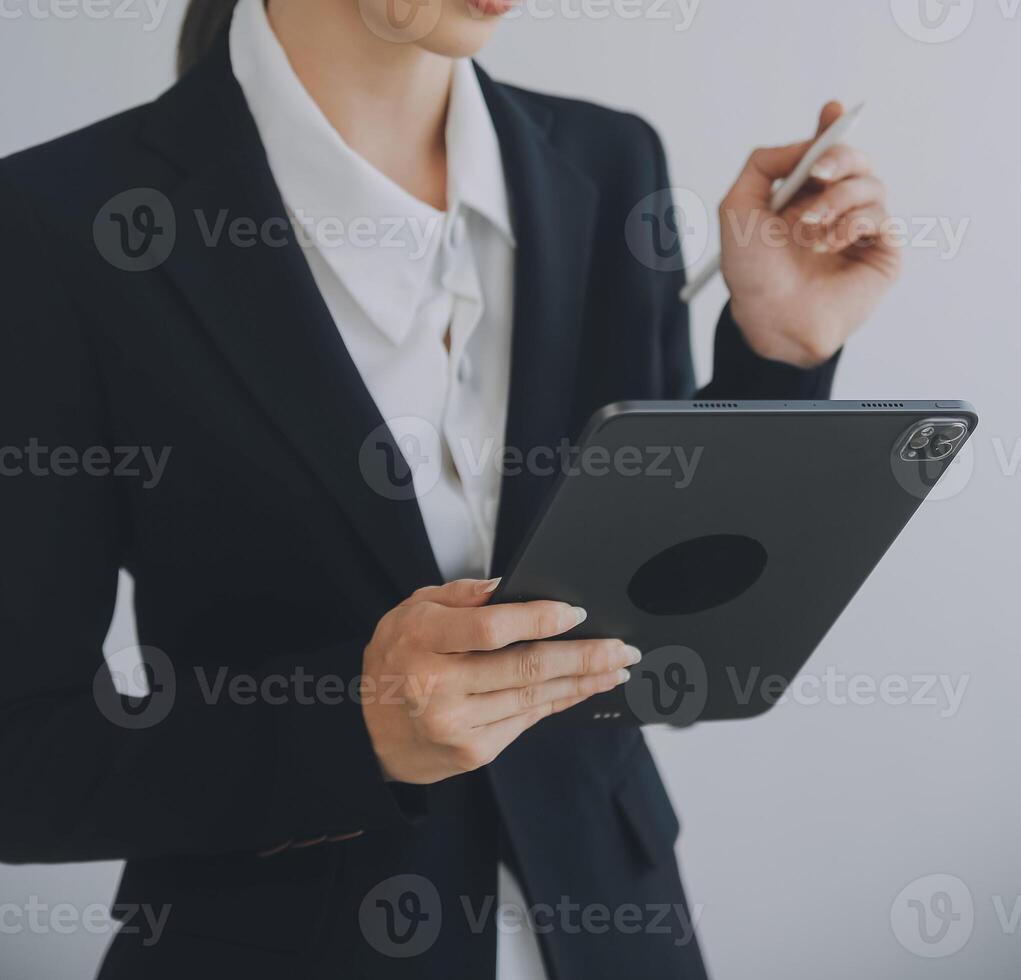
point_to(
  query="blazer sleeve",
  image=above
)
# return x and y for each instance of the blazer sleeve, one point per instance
(738, 372)
(85, 775)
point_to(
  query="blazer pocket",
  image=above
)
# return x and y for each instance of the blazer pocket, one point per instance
(645, 809)
(273, 903)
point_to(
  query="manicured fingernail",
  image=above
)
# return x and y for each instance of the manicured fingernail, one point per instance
(633, 655)
(580, 615)
(824, 171)
(820, 248)
(624, 676)
(485, 588)
(812, 218)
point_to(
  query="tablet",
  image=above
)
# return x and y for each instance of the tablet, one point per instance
(724, 539)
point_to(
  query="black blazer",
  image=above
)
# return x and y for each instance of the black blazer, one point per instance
(265, 548)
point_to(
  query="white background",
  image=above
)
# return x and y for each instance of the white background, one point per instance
(800, 829)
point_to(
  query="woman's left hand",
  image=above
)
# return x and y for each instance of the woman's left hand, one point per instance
(802, 281)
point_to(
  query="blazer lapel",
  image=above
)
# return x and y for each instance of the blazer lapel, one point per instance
(554, 207)
(261, 306)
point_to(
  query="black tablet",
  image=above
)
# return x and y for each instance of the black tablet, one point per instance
(723, 539)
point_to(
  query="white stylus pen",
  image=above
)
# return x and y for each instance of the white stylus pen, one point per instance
(784, 194)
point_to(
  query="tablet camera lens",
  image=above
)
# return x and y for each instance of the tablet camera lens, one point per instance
(933, 440)
(953, 433)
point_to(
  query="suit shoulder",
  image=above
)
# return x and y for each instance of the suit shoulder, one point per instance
(579, 120)
(619, 150)
(59, 186)
(79, 151)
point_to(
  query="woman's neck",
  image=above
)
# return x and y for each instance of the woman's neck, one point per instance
(387, 100)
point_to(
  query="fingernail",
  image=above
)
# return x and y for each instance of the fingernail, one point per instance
(633, 655)
(624, 676)
(824, 171)
(485, 588)
(580, 615)
(812, 218)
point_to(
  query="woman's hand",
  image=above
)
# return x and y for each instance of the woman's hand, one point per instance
(456, 681)
(803, 281)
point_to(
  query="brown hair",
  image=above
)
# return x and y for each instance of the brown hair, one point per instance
(203, 21)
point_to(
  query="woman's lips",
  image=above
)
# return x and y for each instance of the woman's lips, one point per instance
(491, 8)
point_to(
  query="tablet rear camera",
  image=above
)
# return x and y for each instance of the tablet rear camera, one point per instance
(933, 439)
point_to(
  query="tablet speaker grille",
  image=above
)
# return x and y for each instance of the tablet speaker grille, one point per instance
(882, 404)
(716, 405)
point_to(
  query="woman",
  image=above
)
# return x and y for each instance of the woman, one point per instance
(317, 281)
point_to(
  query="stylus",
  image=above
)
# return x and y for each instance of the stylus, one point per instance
(784, 193)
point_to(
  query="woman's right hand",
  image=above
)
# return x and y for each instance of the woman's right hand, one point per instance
(453, 681)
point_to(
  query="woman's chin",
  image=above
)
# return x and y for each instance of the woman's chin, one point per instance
(464, 33)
